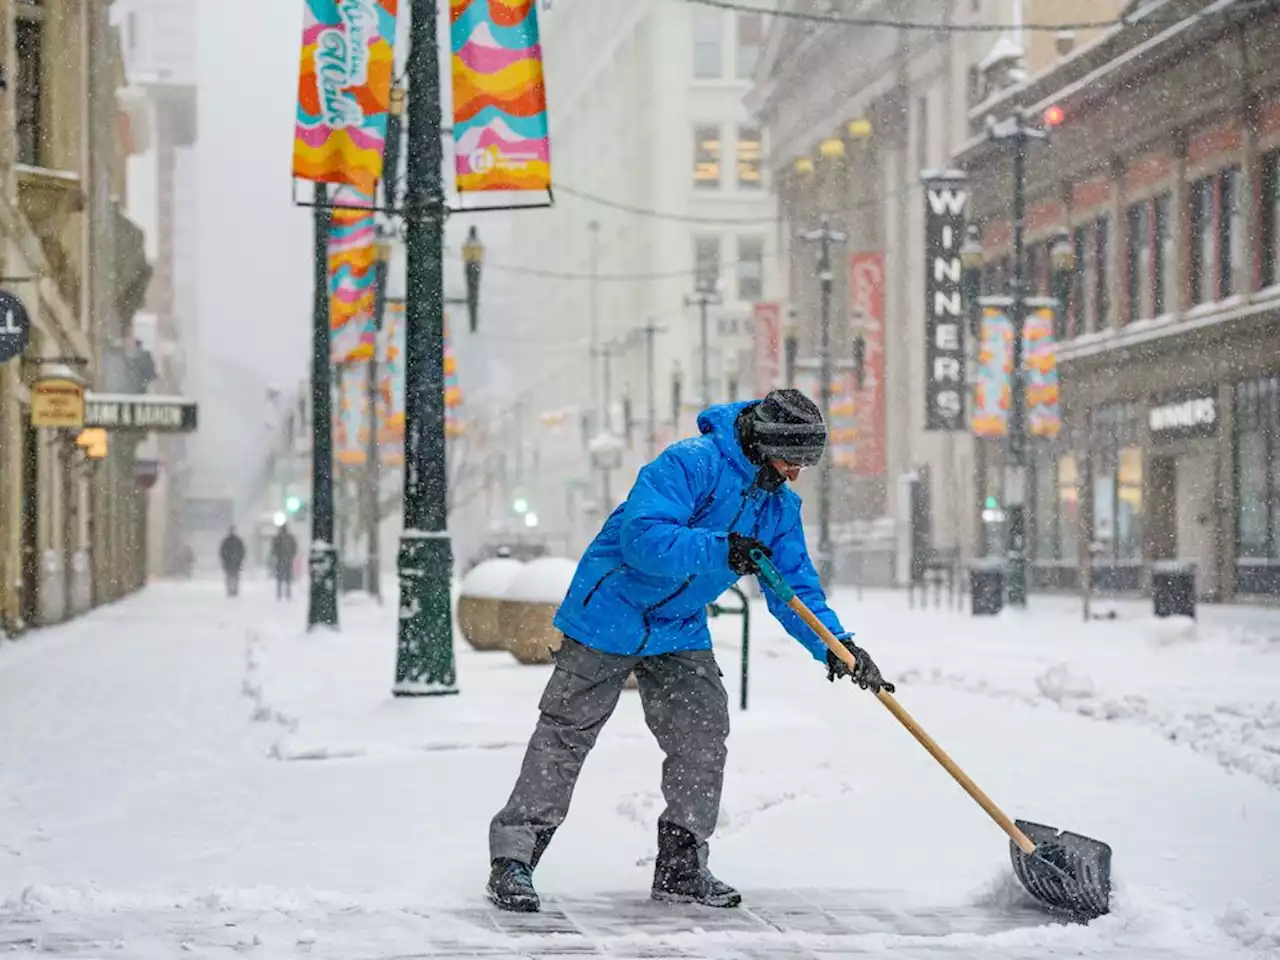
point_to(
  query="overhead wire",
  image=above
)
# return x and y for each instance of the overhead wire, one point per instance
(549, 274)
(1135, 18)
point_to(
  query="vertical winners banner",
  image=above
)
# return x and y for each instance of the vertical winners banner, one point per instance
(353, 261)
(344, 91)
(946, 197)
(499, 98)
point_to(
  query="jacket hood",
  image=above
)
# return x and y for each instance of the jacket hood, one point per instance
(718, 421)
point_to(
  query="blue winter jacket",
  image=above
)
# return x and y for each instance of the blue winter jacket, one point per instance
(644, 583)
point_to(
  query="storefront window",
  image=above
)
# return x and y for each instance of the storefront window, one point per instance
(1117, 482)
(1068, 507)
(1129, 505)
(1252, 500)
(1258, 468)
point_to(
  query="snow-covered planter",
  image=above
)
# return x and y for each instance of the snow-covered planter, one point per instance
(480, 602)
(529, 608)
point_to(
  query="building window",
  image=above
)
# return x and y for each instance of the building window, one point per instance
(1076, 306)
(706, 260)
(1148, 248)
(1117, 482)
(1046, 512)
(1068, 506)
(1270, 208)
(706, 157)
(749, 155)
(750, 268)
(1202, 240)
(28, 37)
(1230, 229)
(1166, 258)
(707, 48)
(1091, 290)
(750, 41)
(922, 132)
(1258, 469)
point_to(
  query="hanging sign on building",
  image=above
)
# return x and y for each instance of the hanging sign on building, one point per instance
(1040, 360)
(946, 197)
(992, 393)
(344, 91)
(499, 98)
(1184, 414)
(139, 412)
(15, 326)
(866, 305)
(57, 403)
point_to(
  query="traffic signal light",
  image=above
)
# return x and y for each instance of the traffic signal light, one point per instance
(1053, 116)
(293, 505)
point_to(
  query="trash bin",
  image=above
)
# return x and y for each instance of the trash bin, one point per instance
(1173, 588)
(986, 586)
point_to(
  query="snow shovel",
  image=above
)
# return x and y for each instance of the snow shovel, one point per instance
(1067, 872)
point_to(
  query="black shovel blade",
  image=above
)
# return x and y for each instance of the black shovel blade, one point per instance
(1068, 873)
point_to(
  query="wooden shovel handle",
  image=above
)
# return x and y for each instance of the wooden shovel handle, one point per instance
(926, 741)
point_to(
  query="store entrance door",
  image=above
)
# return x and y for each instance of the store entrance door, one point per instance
(1196, 532)
(1163, 515)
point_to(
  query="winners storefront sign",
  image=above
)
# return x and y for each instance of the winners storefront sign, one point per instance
(140, 412)
(946, 197)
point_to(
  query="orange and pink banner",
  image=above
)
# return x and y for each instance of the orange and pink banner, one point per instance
(344, 91)
(499, 99)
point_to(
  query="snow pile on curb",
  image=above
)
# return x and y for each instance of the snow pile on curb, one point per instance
(490, 579)
(544, 580)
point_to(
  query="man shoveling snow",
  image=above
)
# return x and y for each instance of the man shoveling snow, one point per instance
(638, 603)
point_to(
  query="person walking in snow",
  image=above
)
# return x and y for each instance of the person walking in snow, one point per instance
(231, 553)
(638, 602)
(284, 549)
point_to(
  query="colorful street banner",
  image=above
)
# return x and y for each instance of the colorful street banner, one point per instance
(344, 91)
(866, 305)
(842, 435)
(1040, 358)
(992, 393)
(499, 100)
(391, 385)
(351, 425)
(353, 261)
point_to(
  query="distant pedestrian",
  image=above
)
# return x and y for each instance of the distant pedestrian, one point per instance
(231, 553)
(284, 549)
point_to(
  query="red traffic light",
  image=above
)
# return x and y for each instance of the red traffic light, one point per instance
(1053, 116)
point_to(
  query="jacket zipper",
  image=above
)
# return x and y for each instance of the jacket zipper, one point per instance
(592, 592)
(703, 510)
(644, 642)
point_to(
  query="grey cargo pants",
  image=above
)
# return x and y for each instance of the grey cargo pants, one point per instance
(685, 707)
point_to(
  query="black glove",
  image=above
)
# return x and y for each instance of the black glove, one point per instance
(867, 674)
(740, 548)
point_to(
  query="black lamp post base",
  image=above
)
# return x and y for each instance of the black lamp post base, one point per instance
(424, 656)
(322, 609)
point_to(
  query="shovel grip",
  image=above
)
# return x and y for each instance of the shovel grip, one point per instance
(769, 575)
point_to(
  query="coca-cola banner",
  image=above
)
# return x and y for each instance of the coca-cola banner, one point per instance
(766, 328)
(866, 310)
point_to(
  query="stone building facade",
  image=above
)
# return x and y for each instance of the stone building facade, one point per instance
(70, 528)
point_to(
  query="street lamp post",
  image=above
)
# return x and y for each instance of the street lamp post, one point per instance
(824, 236)
(424, 655)
(707, 294)
(1016, 130)
(322, 574)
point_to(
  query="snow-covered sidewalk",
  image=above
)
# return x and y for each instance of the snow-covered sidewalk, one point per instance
(187, 771)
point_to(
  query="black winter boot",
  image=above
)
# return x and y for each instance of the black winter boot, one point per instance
(681, 876)
(511, 886)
